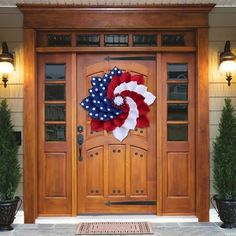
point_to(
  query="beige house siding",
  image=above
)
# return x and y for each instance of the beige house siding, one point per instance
(222, 27)
(11, 22)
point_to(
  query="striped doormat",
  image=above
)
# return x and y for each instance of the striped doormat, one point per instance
(114, 228)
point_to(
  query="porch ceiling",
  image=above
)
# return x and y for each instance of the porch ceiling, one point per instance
(118, 2)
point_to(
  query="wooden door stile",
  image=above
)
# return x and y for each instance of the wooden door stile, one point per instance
(202, 135)
(159, 143)
(30, 128)
(74, 171)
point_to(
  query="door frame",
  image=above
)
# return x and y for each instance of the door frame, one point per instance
(172, 17)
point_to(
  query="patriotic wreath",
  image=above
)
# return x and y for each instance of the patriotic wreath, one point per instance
(118, 102)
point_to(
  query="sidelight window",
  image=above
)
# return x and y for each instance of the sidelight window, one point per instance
(55, 102)
(177, 102)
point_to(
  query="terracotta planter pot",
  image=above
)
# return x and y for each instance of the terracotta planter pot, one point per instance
(8, 210)
(227, 211)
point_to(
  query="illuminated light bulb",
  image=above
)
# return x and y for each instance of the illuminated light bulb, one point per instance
(228, 67)
(6, 67)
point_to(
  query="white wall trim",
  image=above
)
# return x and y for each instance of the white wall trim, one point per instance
(233, 5)
(8, 6)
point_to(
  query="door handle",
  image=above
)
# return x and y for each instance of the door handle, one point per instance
(80, 140)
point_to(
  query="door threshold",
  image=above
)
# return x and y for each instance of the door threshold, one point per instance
(115, 218)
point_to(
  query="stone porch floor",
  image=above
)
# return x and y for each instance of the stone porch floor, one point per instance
(160, 229)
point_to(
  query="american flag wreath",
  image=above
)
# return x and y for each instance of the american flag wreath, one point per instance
(118, 102)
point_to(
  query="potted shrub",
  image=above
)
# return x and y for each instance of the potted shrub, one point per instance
(9, 169)
(224, 170)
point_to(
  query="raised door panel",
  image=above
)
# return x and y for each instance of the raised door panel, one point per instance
(116, 170)
(55, 175)
(138, 171)
(177, 172)
(94, 171)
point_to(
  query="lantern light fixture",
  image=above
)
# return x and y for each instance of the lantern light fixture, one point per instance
(227, 62)
(6, 63)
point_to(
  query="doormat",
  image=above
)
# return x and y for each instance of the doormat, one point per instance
(114, 228)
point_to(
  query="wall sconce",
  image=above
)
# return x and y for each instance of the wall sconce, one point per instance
(227, 62)
(6, 63)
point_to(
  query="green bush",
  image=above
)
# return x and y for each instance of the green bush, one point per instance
(9, 164)
(224, 154)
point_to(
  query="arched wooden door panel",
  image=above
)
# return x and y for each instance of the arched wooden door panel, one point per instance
(114, 171)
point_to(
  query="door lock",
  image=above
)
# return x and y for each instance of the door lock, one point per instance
(80, 128)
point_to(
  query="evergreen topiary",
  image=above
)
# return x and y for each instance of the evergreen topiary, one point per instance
(224, 154)
(9, 164)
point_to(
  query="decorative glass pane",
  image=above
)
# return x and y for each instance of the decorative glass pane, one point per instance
(55, 132)
(177, 132)
(88, 40)
(178, 92)
(55, 92)
(145, 40)
(116, 40)
(177, 71)
(59, 40)
(55, 112)
(172, 40)
(177, 112)
(55, 71)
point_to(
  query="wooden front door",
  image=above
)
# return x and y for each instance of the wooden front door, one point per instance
(114, 176)
(154, 165)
